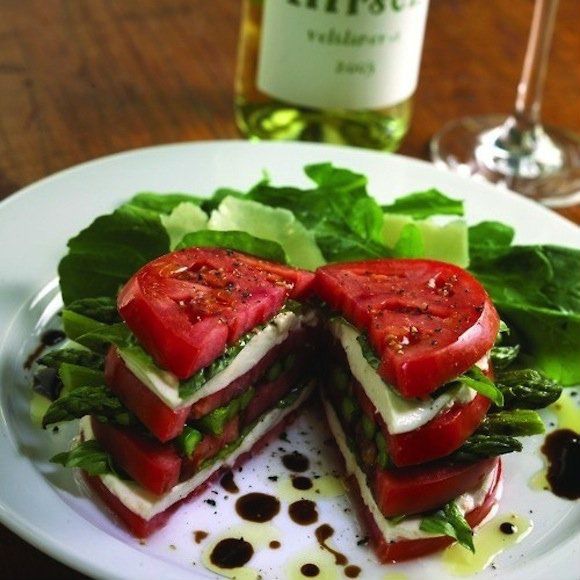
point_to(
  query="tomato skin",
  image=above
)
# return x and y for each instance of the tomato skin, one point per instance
(429, 321)
(420, 488)
(151, 464)
(402, 550)
(161, 420)
(185, 307)
(441, 436)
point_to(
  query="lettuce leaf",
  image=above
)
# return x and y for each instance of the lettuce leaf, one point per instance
(424, 204)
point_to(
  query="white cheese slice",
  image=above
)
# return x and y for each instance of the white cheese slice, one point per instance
(409, 528)
(165, 384)
(146, 504)
(399, 414)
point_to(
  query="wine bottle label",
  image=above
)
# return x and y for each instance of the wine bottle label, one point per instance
(344, 54)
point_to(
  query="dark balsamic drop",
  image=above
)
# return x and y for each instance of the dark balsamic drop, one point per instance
(296, 462)
(52, 337)
(302, 483)
(199, 536)
(562, 448)
(352, 571)
(303, 512)
(274, 544)
(228, 483)
(323, 533)
(257, 507)
(310, 570)
(508, 528)
(231, 553)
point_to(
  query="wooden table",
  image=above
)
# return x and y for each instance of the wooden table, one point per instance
(85, 78)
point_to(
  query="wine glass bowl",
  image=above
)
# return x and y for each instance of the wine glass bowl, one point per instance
(540, 162)
(518, 152)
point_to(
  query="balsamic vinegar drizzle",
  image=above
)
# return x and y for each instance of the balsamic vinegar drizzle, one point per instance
(231, 553)
(257, 507)
(295, 461)
(228, 483)
(199, 536)
(562, 448)
(310, 570)
(303, 512)
(352, 571)
(323, 533)
(302, 483)
(47, 338)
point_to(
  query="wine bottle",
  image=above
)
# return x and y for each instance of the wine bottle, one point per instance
(337, 71)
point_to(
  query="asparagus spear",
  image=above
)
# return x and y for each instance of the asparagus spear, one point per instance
(527, 389)
(480, 446)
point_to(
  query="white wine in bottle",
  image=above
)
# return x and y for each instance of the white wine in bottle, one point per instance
(337, 71)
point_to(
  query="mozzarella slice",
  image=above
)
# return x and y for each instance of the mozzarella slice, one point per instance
(409, 528)
(399, 414)
(146, 504)
(165, 384)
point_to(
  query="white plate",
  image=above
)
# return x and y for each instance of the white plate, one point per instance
(42, 504)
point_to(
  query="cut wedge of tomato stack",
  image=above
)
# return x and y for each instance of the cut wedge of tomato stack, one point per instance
(403, 334)
(220, 356)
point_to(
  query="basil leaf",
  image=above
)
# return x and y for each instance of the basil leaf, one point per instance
(475, 379)
(449, 521)
(424, 204)
(88, 456)
(368, 351)
(236, 240)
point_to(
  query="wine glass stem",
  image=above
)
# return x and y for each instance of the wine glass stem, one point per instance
(530, 88)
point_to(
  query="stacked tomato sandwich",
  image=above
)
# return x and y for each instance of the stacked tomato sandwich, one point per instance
(216, 362)
(407, 384)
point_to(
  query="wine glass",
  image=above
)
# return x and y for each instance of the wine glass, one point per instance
(518, 152)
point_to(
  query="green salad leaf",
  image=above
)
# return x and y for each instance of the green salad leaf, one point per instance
(102, 257)
(424, 204)
(449, 521)
(410, 243)
(235, 240)
(537, 290)
(162, 203)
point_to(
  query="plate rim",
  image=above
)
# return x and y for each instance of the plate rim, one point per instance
(30, 531)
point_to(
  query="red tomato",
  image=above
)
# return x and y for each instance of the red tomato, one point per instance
(141, 527)
(428, 321)
(185, 307)
(441, 436)
(151, 464)
(161, 420)
(420, 488)
(401, 550)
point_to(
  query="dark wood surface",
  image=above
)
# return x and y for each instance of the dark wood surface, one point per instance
(85, 78)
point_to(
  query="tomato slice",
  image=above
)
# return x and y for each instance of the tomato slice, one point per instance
(161, 420)
(185, 307)
(402, 550)
(441, 436)
(420, 488)
(142, 528)
(428, 321)
(155, 466)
